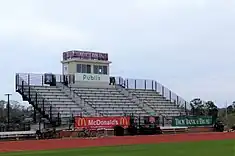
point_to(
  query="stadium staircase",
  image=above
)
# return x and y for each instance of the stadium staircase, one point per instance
(87, 106)
(39, 103)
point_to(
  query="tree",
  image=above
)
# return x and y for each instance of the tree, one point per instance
(197, 107)
(212, 109)
(2, 112)
(230, 109)
(18, 112)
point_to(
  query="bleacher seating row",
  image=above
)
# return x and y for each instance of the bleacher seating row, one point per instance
(106, 101)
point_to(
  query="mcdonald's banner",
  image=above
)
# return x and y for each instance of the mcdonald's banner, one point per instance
(101, 122)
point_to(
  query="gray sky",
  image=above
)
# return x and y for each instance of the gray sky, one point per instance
(186, 45)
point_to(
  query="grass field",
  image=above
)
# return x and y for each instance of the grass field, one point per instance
(203, 148)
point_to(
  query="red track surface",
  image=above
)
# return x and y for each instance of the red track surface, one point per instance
(110, 141)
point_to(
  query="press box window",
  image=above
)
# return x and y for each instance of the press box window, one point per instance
(83, 68)
(88, 68)
(100, 70)
(96, 69)
(79, 68)
(105, 70)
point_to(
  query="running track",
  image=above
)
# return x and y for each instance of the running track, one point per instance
(109, 141)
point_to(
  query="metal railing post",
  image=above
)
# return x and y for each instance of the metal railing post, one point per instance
(36, 100)
(163, 92)
(145, 84)
(51, 113)
(28, 79)
(42, 80)
(22, 87)
(135, 84)
(43, 106)
(156, 86)
(29, 93)
(127, 84)
(170, 95)
(152, 85)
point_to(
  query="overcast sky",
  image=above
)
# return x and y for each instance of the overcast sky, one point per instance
(187, 45)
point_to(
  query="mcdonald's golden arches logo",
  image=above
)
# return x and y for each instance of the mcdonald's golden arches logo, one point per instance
(124, 121)
(81, 122)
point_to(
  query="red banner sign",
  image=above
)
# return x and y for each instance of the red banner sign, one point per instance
(101, 122)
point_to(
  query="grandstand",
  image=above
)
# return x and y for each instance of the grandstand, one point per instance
(85, 88)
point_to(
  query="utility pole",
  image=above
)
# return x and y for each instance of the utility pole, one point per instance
(226, 113)
(8, 110)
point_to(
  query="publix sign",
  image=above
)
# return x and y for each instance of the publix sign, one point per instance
(91, 77)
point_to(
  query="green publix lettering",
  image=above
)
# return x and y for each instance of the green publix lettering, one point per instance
(91, 77)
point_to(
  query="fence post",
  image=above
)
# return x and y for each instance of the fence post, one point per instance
(139, 120)
(163, 121)
(163, 92)
(22, 87)
(28, 79)
(177, 100)
(72, 121)
(42, 80)
(51, 113)
(156, 86)
(170, 95)
(36, 100)
(152, 85)
(43, 106)
(145, 84)
(127, 84)
(58, 117)
(29, 94)
(16, 81)
(135, 84)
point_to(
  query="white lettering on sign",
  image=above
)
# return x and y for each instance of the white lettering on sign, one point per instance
(193, 121)
(85, 55)
(102, 122)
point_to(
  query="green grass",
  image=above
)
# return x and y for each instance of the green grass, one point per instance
(204, 148)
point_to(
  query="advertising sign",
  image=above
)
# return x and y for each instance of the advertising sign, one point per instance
(91, 77)
(84, 55)
(101, 122)
(192, 121)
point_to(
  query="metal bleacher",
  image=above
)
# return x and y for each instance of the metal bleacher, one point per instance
(109, 101)
(54, 102)
(157, 102)
(63, 104)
